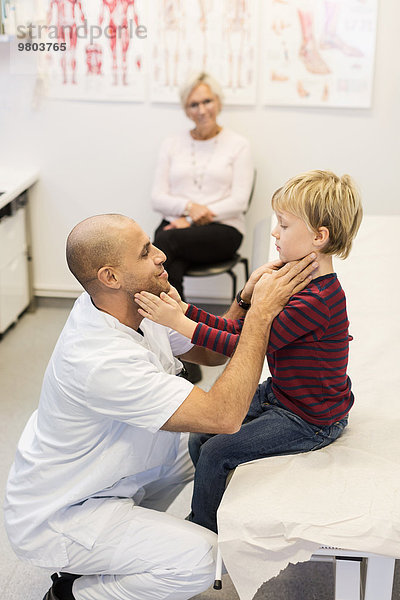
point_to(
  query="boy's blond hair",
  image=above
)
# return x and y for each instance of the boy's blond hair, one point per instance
(322, 199)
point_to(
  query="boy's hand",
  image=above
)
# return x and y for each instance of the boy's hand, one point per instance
(247, 291)
(173, 293)
(164, 310)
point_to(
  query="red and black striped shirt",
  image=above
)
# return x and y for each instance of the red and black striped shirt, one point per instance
(307, 352)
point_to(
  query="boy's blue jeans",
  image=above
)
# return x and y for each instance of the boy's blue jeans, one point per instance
(269, 429)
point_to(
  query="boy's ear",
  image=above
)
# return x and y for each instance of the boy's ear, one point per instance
(321, 237)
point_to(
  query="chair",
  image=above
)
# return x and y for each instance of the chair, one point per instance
(225, 266)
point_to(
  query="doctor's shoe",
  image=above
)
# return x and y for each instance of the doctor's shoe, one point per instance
(62, 587)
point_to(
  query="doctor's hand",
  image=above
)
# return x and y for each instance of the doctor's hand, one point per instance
(163, 310)
(247, 291)
(273, 290)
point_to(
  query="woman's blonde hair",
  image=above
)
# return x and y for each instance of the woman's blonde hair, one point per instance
(197, 79)
(322, 199)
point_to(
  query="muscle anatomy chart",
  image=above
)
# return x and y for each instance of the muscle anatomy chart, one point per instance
(295, 52)
(318, 52)
(100, 50)
(218, 36)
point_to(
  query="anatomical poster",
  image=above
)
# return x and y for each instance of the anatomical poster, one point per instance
(318, 52)
(217, 36)
(97, 49)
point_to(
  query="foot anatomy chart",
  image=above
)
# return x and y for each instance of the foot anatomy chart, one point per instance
(218, 36)
(291, 52)
(318, 52)
(103, 56)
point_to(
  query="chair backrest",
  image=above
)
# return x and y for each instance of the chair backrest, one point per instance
(259, 255)
(253, 185)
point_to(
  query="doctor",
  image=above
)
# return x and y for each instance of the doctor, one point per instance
(101, 458)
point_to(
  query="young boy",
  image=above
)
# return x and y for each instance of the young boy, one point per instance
(304, 404)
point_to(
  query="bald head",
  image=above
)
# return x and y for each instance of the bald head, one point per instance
(94, 243)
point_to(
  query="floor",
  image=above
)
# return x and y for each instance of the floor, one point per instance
(24, 352)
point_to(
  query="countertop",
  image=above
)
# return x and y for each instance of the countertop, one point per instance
(15, 181)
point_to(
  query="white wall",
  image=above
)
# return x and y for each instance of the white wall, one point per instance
(100, 157)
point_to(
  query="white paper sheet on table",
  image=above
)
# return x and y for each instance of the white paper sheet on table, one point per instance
(281, 509)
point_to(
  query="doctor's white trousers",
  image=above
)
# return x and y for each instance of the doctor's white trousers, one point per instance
(143, 553)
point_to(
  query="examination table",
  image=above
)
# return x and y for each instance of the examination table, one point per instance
(342, 501)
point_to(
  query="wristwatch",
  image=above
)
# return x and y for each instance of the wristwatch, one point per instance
(242, 303)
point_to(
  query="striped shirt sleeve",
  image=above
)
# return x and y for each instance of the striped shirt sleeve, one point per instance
(215, 339)
(304, 315)
(201, 316)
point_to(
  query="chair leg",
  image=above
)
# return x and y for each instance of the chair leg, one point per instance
(245, 263)
(234, 283)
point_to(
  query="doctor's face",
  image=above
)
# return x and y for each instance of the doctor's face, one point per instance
(142, 266)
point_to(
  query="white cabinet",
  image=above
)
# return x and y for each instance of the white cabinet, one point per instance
(14, 280)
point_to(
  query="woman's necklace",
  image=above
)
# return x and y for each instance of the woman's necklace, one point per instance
(198, 175)
(198, 136)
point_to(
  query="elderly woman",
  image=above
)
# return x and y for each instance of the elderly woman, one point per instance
(202, 185)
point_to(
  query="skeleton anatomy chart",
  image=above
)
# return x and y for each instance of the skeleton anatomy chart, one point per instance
(318, 52)
(103, 56)
(219, 36)
(313, 52)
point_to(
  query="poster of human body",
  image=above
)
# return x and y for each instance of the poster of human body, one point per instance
(295, 52)
(318, 52)
(219, 36)
(100, 55)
